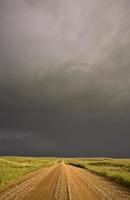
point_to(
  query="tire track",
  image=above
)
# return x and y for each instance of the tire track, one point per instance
(104, 189)
(65, 182)
(18, 191)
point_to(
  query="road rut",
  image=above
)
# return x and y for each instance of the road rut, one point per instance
(65, 182)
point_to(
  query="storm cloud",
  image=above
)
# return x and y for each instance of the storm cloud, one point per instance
(65, 77)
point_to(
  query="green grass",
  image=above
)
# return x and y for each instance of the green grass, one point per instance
(117, 170)
(14, 167)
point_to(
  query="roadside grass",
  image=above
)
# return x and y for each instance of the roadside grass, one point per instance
(14, 167)
(117, 170)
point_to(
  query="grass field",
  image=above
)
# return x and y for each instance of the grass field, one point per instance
(114, 169)
(13, 167)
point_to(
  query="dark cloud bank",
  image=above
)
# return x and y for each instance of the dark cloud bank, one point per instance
(65, 77)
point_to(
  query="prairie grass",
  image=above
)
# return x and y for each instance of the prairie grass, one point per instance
(13, 167)
(117, 170)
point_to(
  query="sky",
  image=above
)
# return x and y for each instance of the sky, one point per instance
(65, 77)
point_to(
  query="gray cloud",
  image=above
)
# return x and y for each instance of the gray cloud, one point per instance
(64, 77)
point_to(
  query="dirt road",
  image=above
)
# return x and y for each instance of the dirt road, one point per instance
(65, 182)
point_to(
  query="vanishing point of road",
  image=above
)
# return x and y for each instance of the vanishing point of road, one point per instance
(64, 182)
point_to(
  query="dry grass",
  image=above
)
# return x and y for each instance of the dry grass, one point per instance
(115, 169)
(13, 167)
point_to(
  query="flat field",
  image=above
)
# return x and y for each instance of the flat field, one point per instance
(62, 181)
(117, 170)
(13, 167)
